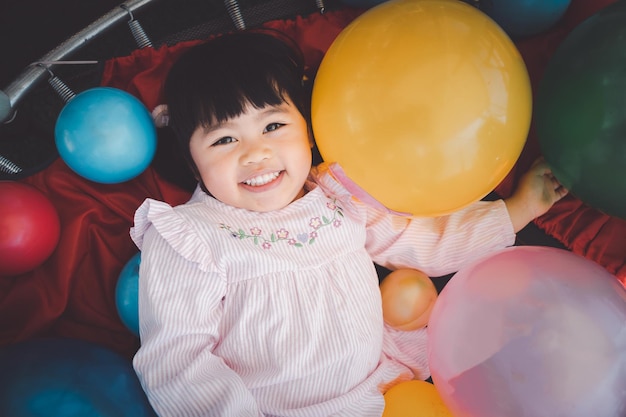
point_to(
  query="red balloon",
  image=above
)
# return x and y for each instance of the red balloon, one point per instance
(29, 228)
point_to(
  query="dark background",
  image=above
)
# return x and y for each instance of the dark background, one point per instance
(31, 28)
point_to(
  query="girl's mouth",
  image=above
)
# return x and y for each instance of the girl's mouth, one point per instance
(262, 179)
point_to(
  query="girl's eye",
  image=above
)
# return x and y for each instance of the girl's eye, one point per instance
(223, 141)
(272, 127)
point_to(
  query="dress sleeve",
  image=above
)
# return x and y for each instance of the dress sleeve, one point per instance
(438, 245)
(435, 245)
(180, 306)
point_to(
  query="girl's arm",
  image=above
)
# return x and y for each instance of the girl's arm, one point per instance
(438, 245)
(442, 245)
(179, 313)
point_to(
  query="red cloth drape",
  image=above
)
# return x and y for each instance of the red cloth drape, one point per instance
(73, 293)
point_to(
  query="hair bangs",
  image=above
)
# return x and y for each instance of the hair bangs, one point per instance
(229, 95)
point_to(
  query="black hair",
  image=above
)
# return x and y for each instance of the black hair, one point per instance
(218, 79)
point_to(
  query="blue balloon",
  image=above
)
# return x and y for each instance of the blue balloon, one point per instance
(68, 378)
(126, 294)
(521, 18)
(106, 135)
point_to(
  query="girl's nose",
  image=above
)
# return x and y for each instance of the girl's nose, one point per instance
(255, 152)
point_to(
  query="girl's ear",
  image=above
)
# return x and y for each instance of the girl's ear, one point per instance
(311, 139)
(170, 163)
(317, 157)
(161, 115)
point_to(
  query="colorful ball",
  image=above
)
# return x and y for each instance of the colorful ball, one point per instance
(408, 297)
(68, 378)
(106, 135)
(425, 104)
(127, 294)
(530, 331)
(29, 228)
(521, 18)
(414, 399)
(581, 114)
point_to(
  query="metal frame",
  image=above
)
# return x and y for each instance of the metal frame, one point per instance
(33, 74)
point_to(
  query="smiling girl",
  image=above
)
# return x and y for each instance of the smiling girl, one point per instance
(259, 296)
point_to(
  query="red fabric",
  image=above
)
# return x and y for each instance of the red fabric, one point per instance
(73, 293)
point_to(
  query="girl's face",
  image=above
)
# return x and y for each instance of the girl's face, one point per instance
(257, 161)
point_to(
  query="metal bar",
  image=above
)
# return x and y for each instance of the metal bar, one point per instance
(33, 73)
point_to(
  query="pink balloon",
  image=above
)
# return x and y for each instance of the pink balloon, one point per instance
(530, 331)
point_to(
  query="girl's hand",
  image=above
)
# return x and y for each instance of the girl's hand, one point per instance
(536, 192)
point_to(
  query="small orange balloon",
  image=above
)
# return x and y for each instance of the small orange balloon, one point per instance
(408, 297)
(414, 399)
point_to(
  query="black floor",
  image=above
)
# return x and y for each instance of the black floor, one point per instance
(31, 28)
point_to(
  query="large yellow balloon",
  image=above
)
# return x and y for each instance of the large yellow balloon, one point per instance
(426, 104)
(414, 399)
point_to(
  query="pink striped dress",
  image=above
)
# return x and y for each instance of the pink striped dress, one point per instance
(279, 314)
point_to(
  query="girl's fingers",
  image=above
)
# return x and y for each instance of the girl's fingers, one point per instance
(555, 183)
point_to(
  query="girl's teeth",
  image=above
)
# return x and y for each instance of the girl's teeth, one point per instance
(262, 179)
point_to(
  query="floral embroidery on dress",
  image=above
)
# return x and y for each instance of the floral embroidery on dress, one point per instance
(297, 240)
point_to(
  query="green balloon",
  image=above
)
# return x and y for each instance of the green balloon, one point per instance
(580, 111)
